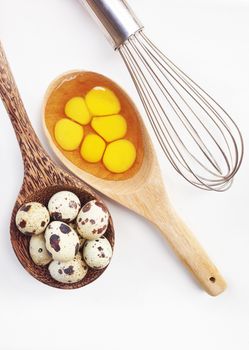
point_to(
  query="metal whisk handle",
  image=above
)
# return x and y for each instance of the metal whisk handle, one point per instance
(116, 19)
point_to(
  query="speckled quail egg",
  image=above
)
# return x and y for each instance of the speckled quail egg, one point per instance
(32, 218)
(68, 272)
(61, 241)
(38, 251)
(64, 206)
(81, 239)
(98, 253)
(92, 221)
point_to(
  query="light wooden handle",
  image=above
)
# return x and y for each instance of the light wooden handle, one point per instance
(190, 252)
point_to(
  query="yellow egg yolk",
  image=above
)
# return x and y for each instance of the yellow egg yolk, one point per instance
(99, 112)
(92, 148)
(101, 101)
(68, 134)
(119, 156)
(77, 110)
(111, 128)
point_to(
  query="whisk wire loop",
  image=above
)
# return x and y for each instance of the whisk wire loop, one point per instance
(198, 137)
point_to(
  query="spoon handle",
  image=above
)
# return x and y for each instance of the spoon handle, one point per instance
(27, 139)
(186, 246)
(191, 253)
(151, 202)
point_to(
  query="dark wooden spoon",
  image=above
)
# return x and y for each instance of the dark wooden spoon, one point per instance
(42, 178)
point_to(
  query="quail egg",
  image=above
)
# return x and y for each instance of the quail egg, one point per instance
(81, 239)
(92, 221)
(32, 218)
(68, 272)
(61, 241)
(98, 253)
(38, 251)
(64, 206)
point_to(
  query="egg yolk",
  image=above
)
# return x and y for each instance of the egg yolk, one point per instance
(111, 128)
(119, 156)
(99, 111)
(77, 110)
(68, 134)
(92, 148)
(101, 101)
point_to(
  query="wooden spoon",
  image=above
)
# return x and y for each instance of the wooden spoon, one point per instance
(142, 191)
(42, 178)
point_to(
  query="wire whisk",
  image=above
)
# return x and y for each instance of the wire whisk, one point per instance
(196, 134)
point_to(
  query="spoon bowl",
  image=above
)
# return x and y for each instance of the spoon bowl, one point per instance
(42, 179)
(76, 83)
(141, 189)
(20, 242)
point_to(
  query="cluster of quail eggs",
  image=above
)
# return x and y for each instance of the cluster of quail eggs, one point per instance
(65, 236)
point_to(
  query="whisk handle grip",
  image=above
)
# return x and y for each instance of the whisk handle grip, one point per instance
(190, 252)
(116, 18)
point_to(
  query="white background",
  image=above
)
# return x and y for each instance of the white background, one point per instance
(145, 299)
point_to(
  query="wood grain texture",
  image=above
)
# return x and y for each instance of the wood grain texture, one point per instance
(144, 193)
(42, 178)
